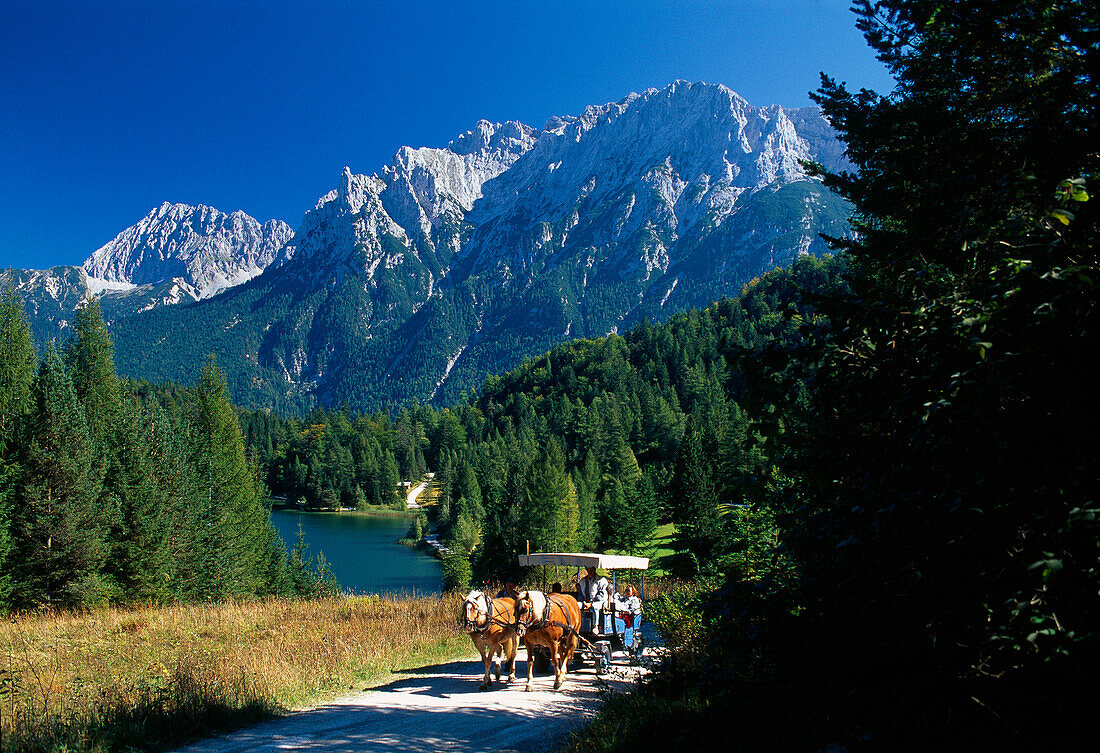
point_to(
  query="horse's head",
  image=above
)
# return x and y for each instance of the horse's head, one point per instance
(530, 609)
(475, 612)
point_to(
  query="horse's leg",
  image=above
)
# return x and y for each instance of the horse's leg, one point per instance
(486, 660)
(511, 649)
(496, 651)
(569, 645)
(559, 669)
(530, 666)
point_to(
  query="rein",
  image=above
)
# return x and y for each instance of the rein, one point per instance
(492, 619)
(546, 620)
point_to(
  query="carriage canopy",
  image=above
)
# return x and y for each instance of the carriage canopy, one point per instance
(585, 559)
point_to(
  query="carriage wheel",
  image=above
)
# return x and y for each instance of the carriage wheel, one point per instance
(603, 658)
(541, 659)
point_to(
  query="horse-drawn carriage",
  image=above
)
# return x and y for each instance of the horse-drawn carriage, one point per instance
(554, 626)
(604, 631)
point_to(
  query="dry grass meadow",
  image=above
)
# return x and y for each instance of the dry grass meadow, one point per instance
(152, 677)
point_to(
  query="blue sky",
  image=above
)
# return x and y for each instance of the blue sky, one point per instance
(109, 108)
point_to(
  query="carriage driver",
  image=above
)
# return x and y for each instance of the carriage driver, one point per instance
(510, 590)
(592, 597)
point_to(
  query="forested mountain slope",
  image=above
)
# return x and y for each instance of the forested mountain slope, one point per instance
(454, 263)
(588, 445)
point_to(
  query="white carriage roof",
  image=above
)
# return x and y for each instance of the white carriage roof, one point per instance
(585, 559)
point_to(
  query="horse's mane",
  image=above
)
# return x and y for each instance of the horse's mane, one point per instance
(539, 605)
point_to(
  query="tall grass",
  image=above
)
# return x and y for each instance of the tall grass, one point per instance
(152, 677)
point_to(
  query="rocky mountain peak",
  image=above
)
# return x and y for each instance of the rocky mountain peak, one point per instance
(207, 249)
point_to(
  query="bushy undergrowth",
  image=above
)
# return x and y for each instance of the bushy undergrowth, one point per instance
(153, 677)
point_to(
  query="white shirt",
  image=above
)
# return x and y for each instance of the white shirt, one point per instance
(593, 591)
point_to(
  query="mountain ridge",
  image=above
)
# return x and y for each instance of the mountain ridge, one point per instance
(176, 253)
(452, 263)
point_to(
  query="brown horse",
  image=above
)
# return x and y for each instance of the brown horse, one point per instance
(552, 621)
(491, 624)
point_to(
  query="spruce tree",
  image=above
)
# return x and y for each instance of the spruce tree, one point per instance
(943, 480)
(89, 356)
(17, 371)
(233, 503)
(18, 362)
(61, 529)
(469, 490)
(139, 558)
(388, 479)
(550, 515)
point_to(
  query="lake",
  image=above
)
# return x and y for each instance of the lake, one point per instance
(362, 552)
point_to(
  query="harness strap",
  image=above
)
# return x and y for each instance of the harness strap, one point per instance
(569, 628)
(546, 620)
(494, 620)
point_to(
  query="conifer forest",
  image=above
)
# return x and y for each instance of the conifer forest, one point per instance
(881, 463)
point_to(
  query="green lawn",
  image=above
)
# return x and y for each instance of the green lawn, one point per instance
(658, 549)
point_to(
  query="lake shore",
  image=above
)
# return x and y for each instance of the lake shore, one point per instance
(380, 512)
(362, 549)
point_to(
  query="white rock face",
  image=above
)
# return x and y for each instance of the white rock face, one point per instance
(660, 162)
(636, 208)
(207, 250)
(666, 159)
(420, 198)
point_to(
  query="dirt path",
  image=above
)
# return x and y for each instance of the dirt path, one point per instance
(410, 498)
(437, 709)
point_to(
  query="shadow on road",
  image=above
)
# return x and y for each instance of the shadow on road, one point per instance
(431, 709)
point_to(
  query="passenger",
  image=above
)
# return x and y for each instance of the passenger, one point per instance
(628, 617)
(592, 598)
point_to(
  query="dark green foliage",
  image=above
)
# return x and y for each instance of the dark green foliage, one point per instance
(17, 361)
(578, 449)
(119, 493)
(307, 577)
(231, 501)
(60, 529)
(331, 459)
(935, 485)
(89, 356)
(456, 573)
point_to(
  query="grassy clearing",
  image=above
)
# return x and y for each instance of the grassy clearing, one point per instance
(658, 548)
(154, 677)
(430, 495)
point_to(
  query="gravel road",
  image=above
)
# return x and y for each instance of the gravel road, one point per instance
(436, 709)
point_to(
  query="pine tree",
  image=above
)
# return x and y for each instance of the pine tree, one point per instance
(139, 551)
(17, 371)
(233, 502)
(550, 514)
(89, 356)
(694, 502)
(61, 529)
(18, 362)
(469, 490)
(587, 484)
(388, 480)
(938, 486)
